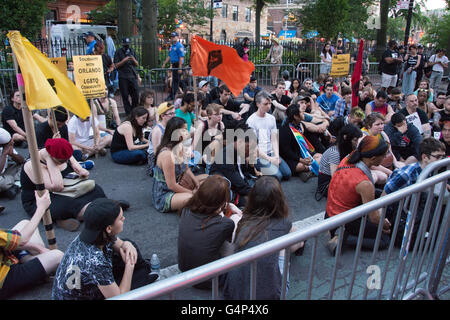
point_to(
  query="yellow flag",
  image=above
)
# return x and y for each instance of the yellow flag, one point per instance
(45, 86)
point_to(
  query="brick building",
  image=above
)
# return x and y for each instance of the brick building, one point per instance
(277, 14)
(236, 19)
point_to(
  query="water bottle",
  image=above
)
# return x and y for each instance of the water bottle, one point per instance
(154, 263)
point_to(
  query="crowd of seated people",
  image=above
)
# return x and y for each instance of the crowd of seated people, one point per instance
(243, 147)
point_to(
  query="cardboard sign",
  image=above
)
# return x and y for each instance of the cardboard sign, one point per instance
(89, 76)
(60, 63)
(340, 65)
(415, 120)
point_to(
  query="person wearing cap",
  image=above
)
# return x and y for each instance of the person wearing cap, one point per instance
(166, 111)
(176, 57)
(251, 90)
(300, 159)
(10, 162)
(125, 61)
(124, 150)
(352, 185)
(24, 260)
(90, 40)
(98, 264)
(276, 57)
(57, 162)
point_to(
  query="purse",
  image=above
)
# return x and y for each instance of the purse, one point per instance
(75, 188)
(186, 181)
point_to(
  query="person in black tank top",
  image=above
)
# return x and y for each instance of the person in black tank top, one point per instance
(412, 60)
(56, 162)
(124, 150)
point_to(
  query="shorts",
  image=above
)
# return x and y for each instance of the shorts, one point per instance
(22, 276)
(388, 80)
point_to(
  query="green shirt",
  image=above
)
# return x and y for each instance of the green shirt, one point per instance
(189, 117)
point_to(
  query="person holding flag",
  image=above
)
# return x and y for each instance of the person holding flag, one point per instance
(296, 150)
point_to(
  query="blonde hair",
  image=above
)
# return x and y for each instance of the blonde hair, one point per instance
(213, 108)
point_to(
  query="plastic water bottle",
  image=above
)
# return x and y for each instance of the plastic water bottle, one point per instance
(154, 263)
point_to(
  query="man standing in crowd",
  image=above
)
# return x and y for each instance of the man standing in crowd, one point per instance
(389, 63)
(90, 41)
(125, 61)
(438, 62)
(422, 65)
(176, 57)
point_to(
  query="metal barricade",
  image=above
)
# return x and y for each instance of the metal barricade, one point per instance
(311, 70)
(263, 72)
(158, 80)
(7, 84)
(432, 245)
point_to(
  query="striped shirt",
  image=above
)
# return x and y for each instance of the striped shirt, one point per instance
(9, 241)
(330, 156)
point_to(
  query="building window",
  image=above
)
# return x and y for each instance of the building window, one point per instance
(248, 15)
(224, 11)
(51, 15)
(290, 1)
(235, 13)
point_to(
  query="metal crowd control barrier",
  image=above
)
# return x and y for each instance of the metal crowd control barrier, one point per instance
(311, 70)
(8, 83)
(432, 246)
(263, 72)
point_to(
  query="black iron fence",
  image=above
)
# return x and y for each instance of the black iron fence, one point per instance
(293, 52)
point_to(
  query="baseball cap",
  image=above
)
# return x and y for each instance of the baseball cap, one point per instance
(126, 41)
(5, 136)
(174, 34)
(300, 98)
(252, 78)
(202, 83)
(89, 33)
(164, 107)
(99, 214)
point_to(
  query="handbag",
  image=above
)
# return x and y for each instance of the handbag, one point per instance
(75, 188)
(186, 181)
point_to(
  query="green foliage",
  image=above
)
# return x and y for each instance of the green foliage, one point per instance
(25, 15)
(104, 15)
(438, 32)
(328, 17)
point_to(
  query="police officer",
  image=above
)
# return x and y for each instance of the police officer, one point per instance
(176, 56)
(126, 62)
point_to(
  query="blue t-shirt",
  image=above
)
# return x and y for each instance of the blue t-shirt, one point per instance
(251, 92)
(327, 104)
(176, 51)
(90, 47)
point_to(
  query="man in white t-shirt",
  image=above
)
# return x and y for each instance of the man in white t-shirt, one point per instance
(81, 138)
(439, 62)
(268, 161)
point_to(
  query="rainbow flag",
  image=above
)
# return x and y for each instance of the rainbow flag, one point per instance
(305, 148)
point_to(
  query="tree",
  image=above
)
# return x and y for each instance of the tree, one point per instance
(438, 32)
(149, 33)
(104, 15)
(125, 18)
(259, 6)
(381, 33)
(26, 16)
(327, 17)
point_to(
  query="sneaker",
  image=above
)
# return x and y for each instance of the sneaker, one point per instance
(70, 224)
(305, 176)
(332, 245)
(88, 165)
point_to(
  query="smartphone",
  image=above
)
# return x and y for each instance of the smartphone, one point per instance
(72, 175)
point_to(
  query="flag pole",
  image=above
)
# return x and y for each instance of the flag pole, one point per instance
(94, 127)
(51, 110)
(195, 98)
(32, 148)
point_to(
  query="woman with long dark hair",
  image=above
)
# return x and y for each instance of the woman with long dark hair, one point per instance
(203, 228)
(326, 57)
(345, 144)
(265, 217)
(123, 147)
(170, 167)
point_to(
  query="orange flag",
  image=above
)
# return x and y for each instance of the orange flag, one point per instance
(223, 62)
